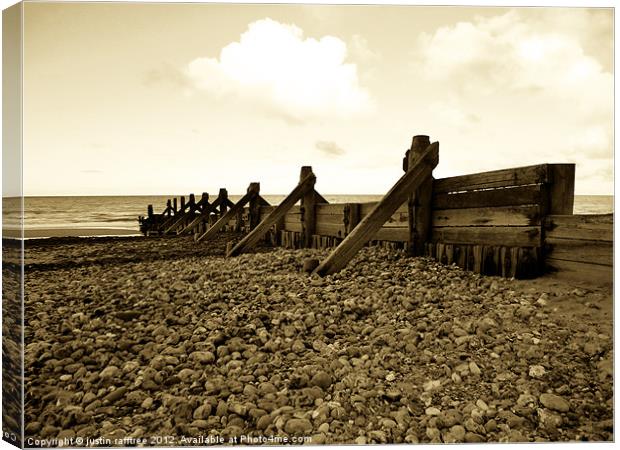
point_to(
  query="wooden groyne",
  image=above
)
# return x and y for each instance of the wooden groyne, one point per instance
(515, 222)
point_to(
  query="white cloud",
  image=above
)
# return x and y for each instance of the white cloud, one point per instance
(330, 148)
(535, 81)
(276, 68)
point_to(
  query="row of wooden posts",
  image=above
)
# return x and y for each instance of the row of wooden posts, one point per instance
(205, 220)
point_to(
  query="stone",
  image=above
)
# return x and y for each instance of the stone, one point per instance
(537, 371)
(321, 379)
(298, 426)
(432, 411)
(202, 357)
(554, 402)
(109, 373)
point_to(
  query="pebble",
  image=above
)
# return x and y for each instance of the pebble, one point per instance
(298, 426)
(537, 371)
(554, 402)
(321, 379)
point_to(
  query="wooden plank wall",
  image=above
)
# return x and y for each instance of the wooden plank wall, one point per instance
(491, 222)
(488, 222)
(580, 246)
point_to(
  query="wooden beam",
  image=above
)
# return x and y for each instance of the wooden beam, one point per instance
(508, 236)
(308, 210)
(252, 191)
(595, 227)
(372, 223)
(494, 216)
(149, 210)
(562, 188)
(274, 217)
(521, 195)
(518, 176)
(174, 205)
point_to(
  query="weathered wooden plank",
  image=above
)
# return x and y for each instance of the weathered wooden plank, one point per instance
(496, 216)
(331, 218)
(392, 234)
(292, 226)
(509, 236)
(595, 227)
(494, 179)
(370, 224)
(595, 252)
(328, 209)
(512, 196)
(278, 213)
(330, 229)
(562, 189)
(595, 274)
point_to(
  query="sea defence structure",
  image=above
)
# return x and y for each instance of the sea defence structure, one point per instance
(515, 222)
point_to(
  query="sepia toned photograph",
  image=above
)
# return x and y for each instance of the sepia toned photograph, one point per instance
(306, 224)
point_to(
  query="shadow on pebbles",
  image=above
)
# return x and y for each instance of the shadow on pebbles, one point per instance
(392, 349)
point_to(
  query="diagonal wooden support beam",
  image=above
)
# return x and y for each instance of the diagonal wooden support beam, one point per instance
(252, 192)
(371, 223)
(306, 185)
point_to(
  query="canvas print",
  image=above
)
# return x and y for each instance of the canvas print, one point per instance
(303, 224)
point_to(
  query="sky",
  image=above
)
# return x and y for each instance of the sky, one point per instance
(123, 99)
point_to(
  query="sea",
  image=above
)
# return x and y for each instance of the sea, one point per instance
(118, 215)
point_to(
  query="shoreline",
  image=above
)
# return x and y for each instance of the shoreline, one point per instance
(45, 233)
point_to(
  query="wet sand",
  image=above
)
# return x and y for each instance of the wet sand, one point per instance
(139, 338)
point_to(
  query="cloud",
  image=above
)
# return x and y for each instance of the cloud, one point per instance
(361, 50)
(330, 148)
(274, 67)
(536, 82)
(166, 73)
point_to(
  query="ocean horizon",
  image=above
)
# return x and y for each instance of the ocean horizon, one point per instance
(47, 216)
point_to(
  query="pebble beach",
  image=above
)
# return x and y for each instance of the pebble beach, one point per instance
(160, 341)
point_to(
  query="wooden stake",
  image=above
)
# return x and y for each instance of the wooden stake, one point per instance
(419, 205)
(308, 210)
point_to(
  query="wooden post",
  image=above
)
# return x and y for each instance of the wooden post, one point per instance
(223, 197)
(371, 223)
(562, 189)
(351, 216)
(204, 201)
(169, 208)
(254, 210)
(174, 205)
(419, 204)
(182, 203)
(278, 213)
(308, 210)
(150, 211)
(192, 202)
